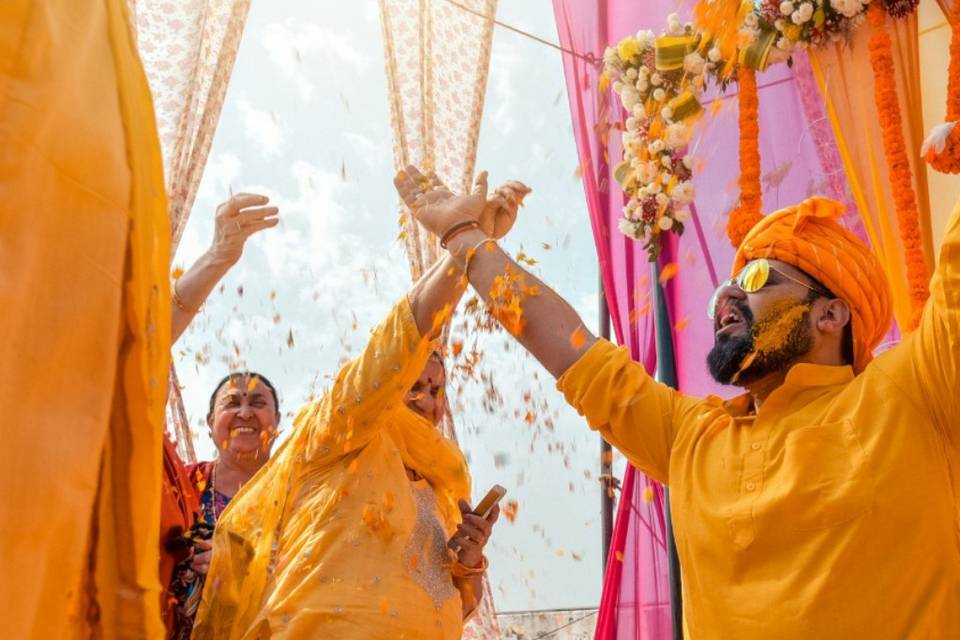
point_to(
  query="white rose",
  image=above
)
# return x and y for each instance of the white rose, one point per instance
(666, 161)
(786, 7)
(654, 188)
(751, 20)
(642, 84)
(682, 214)
(627, 228)
(682, 193)
(631, 122)
(715, 54)
(693, 63)
(618, 86)
(779, 24)
(666, 113)
(659, 94)
(610, 55)
(665, 223)
(676, 135)
(647, 172)
(662, 199)
(688, 161)
(631, 74)
(796, 18)
(638, 111)
(646, 39)
(656, 80)
(806, 10)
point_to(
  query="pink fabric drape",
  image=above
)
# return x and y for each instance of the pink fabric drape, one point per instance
(799, 159)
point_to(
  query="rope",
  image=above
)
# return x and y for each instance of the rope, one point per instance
(588, 57)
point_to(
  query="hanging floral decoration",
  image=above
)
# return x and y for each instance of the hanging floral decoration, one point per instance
(660, 80)
(941, 149)
(898, 164)
(749, 210)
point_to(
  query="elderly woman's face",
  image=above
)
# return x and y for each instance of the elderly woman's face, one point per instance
(425, 397)
(244, 420)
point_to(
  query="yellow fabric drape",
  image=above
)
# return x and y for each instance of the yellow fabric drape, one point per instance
(935, 34)
(84, 255)
(846, 81)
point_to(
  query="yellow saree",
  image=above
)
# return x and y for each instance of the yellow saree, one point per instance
(330, 539)
(84, 326)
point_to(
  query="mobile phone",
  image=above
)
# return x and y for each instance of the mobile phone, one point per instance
(489, 501)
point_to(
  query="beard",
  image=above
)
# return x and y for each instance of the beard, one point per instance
(771, 344)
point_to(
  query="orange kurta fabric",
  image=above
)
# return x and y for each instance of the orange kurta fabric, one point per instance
(832, 511)
(84, 326)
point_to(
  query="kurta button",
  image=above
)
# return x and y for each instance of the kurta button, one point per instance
(756, 446)
(750, 486)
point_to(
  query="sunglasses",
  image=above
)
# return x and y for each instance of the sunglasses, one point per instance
(754, 276)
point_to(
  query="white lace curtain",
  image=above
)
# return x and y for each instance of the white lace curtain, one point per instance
(188, 48)
(437, 55)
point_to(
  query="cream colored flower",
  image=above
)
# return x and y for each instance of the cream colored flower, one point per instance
(665, 223)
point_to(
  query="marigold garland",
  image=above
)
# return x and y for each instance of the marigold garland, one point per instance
(948, 159)
(898, 165)
(747, 212)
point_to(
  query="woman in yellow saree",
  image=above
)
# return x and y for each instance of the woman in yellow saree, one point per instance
(343, 534)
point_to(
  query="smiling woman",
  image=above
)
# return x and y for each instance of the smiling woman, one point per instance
(243, 418)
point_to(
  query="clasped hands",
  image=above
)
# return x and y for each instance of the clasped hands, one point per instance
(438, 209)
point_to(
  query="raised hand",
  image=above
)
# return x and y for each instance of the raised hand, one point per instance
(243, 215)
(500, 212)
(434, 206)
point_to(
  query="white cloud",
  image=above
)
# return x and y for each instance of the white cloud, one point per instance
(262, 128)
(296, 48)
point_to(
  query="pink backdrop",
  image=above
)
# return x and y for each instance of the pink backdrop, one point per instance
(799, 159)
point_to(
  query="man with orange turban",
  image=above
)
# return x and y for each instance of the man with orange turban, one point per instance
(820, 503)
(84, 325)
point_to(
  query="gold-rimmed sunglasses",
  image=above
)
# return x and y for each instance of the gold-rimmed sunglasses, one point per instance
(754, 276)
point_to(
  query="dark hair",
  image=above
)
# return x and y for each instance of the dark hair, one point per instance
(244, 374)
(846, 340)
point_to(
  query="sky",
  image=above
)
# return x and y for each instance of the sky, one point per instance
(306, 122)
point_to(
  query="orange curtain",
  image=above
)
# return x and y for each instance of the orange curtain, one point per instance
(84, 253)
(437, 56)
(846, 81)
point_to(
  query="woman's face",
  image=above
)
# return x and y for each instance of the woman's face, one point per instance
(425, 397)
(244, 420)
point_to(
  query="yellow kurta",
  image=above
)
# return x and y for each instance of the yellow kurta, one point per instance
(832, 512)
(331, 539)
(84, 325)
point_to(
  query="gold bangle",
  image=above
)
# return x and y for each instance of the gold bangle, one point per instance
(460, 570)
(177, 300)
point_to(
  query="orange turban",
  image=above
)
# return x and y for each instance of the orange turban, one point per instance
(810, 237)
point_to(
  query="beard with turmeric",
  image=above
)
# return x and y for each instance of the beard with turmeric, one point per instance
(772, 343)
